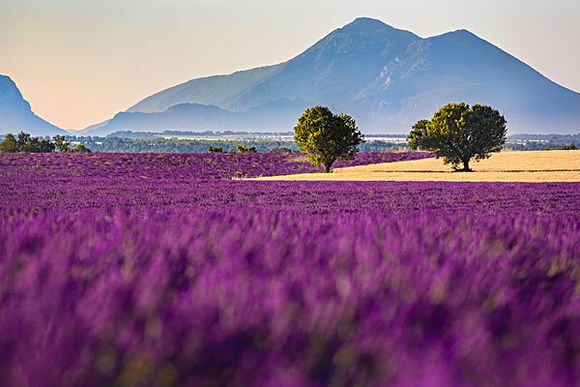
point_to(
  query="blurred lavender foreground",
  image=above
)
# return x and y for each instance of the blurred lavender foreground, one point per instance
(112, 277)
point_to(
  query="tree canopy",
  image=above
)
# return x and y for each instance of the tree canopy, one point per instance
(25, 143)
(459, 133)
(61, 144)
(28, 144)
(327, 137)
(9, 145)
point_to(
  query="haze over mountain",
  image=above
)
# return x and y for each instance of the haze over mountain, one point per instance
(386, 78)
(16, 115)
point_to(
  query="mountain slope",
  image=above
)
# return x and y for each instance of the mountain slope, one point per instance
(459, 66)
(16, 115)
(386, 78)
(219, 90)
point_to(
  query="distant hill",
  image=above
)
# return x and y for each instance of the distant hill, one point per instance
(384, 77)
(16, 115)
(192, 116)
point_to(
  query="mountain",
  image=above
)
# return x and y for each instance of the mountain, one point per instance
(459, 66)
(16, 115)
(386, 78)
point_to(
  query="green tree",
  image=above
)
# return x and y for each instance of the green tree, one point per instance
(215, 149)
(23, 139)
(9, 145)
(36, 145)
(327, 137)
(45, 146)
(28, 144)
(61, 144)
(281, 150)
(459, 133)
(80, 148)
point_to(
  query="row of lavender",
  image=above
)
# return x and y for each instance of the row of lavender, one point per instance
(176, 165)
(264, 297)
(71, 194)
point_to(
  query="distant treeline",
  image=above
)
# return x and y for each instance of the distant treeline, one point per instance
(174, 145)
(25, 143)
(137, 142)
(542, 141)
(555, 138)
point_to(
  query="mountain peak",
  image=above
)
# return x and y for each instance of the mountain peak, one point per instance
(16, 115)
(460, 33)
(6, 82)
(364, 24)
(9, 93)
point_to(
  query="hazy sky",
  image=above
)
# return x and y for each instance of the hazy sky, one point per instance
(79, 62)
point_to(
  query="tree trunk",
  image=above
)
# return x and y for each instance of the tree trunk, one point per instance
(466, 166)
(327, 164)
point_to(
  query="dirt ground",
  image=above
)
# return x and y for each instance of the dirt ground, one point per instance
(508, 166)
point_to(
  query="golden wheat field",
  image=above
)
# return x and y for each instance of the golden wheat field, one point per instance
(508, 166)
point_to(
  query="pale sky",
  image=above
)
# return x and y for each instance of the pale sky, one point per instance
(78, 62)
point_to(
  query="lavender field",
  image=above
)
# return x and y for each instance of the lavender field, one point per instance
(186, 277)
(202, 166)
